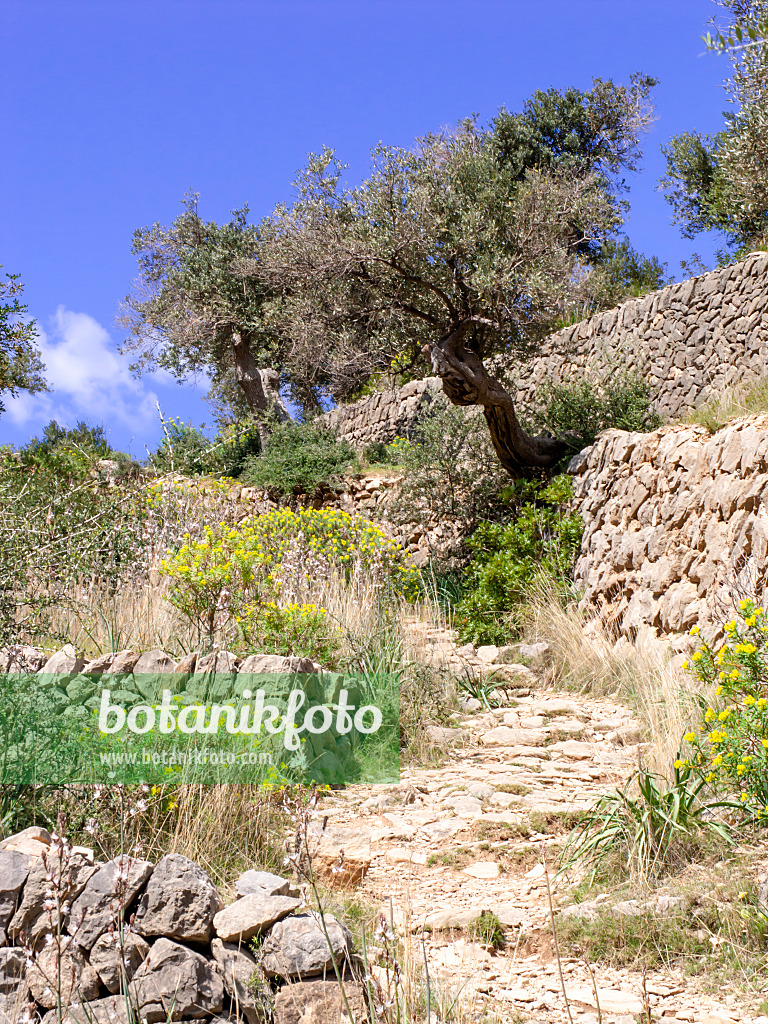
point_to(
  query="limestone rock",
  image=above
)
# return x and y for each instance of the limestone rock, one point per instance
(237, 968)
(65, 662)
(32, 917)
(504, 736)
(79, 981)
(22, 658)
(98, 666)
(111, 1010)
(123, 662)
(12, 969)
(180, 901)
(443, 736)
(154, 662)
(38, 838)
(320, 1002)
(111, 960)
(342, 857)
(14, 868)
(107, 894)
(176, 983)
(252, 915)
(259, 664)
(264, 883)
(483, 869)
(297, 947)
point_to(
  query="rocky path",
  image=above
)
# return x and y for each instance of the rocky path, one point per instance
(473, 835)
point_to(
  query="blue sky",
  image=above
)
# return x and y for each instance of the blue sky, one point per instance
(113, 110)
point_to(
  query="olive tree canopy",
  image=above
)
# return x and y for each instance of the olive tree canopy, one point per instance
(720, 182)
(466, 246)
(447, 254)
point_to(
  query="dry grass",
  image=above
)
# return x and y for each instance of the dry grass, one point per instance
(138, 617)
(743, 399)
(586, 658)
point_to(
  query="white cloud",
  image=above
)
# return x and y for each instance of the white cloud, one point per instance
(88, 379)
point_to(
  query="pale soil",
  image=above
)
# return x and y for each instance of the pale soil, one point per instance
(412, 828)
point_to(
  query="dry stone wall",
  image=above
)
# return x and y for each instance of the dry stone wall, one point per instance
(688, 340)
(676, 525)
(385, 415)
(161, 940)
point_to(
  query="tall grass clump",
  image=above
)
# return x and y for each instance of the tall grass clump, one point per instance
(747, 398)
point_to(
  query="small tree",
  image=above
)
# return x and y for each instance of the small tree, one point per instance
(720, 182)
(193, 314)
(21, 367)
(460, 249)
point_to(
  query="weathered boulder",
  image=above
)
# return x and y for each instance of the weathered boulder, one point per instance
(14, 869)
(79, 982)
(12, 969)
(252, 915)
(107, 894)
(66, 662)
(34, 917)
(153, 662)
(34, 841)
(14, 993)
(180, 901)
(110, 1010)
(237, 968)
(298, 948)
(21, 658)
(258, 664)
(321, 1002)
(176, 983)
(123, 663)
(264, 883)
(98, 666)
(113, 958)
(342, 857)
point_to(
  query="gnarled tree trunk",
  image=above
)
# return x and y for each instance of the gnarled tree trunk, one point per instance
(259, 387)
(467, 382)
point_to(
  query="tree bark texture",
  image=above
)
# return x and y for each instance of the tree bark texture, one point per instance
(259, 387)
(467, 382)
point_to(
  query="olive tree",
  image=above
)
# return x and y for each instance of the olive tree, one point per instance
(21, 368)
(447, 254)
(191, 315)
(720, 182)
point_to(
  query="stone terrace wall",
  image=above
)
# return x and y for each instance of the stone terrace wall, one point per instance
(676, 525)
(385, 415)
(689, 340)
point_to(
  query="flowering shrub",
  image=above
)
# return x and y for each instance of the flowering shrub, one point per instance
(300, 629)
(730, 749)
(231, 568)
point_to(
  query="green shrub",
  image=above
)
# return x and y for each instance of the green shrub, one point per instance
(579, 412)
(232, 570)
(184, 449)
(303, 630)
(659, 829)
(298, 458)
(450, 468)
(90, 441)
(61, 525)
(730, 749)
(540, 541)
(235, 446)
(375, 453)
